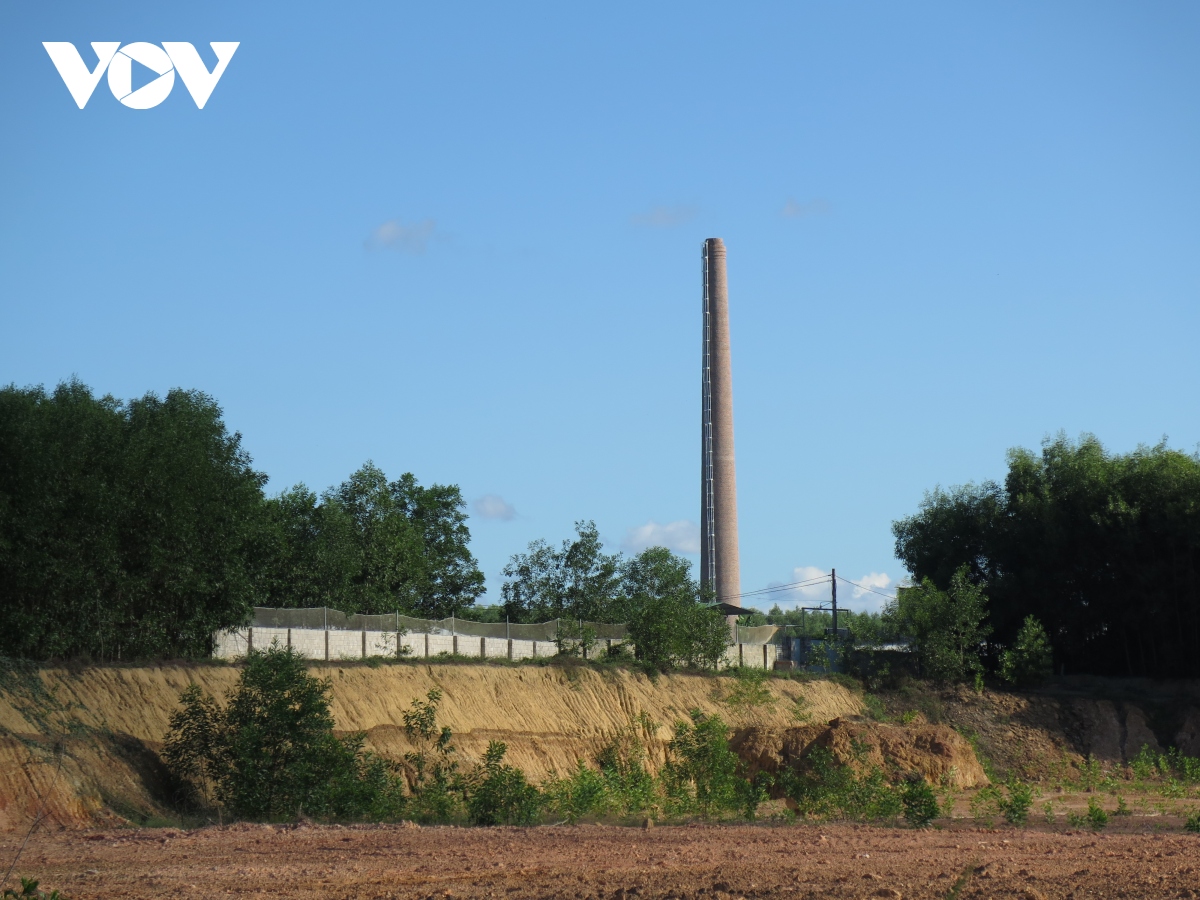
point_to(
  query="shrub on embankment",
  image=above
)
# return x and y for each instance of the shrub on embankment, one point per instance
(269, 752)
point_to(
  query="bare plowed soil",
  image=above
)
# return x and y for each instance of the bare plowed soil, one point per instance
(589, 861)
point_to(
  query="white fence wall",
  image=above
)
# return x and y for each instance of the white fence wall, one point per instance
(314, 643)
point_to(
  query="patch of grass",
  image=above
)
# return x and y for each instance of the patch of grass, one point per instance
(849, 682)
(801, 711)
(874, 708)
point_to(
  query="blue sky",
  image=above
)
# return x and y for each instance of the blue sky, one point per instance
(464, 241)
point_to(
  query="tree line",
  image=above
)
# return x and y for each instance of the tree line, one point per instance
(137, 529)
(1102, 548)
(134, 529)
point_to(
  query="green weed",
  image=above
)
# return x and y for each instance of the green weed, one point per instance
(750, 690)
(29, 891)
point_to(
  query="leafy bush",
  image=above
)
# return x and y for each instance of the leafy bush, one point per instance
(920, 802)
(1144, 765)
(620, 784)
(948, 627)
(702, 774)
(630, 788)
(1193, 823)
(826, 789)
(1096, 815)
(435, 788)
(874, 707)
(673, 629)
(271, 752)
(1030, 660)
(499, 794)
(1011, 800)
(582, 793)
(1015, 807)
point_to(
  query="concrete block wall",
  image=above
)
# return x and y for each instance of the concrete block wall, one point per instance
(314, 643)
(381, 643)
(522, 649)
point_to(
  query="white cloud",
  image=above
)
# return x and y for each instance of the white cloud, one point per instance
(493, 506)
(794, 210)
(395, 235)
(878, 581)
(680, 537)
(664, 216)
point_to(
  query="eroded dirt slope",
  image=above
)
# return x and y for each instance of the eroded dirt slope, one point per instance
(105, 724)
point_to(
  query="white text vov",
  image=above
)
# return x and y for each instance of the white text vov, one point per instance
(171, 57)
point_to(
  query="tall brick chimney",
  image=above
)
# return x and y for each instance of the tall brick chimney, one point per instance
(718, 474)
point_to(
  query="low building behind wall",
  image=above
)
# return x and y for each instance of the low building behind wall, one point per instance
(334, 644)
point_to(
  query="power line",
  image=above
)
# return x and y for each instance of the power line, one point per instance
(863, 587)
(785, 587)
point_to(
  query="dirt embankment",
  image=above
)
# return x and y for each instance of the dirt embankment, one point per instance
(87, 739)
(1046, 735)
(938, 752)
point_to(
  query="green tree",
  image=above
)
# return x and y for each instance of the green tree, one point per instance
(947, 627)
(1103, 548)
(668, 622)
(313, 551)
(374, 546)
(577, 580)
(1030, 659)
(271, 752)
(126, 529)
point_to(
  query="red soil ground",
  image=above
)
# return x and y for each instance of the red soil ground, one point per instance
(621, 863)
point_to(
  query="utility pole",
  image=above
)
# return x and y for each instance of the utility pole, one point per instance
(833, 590)
(833, 593)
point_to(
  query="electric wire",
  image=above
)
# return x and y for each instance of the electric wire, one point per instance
(863, 587)
(785, 587)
